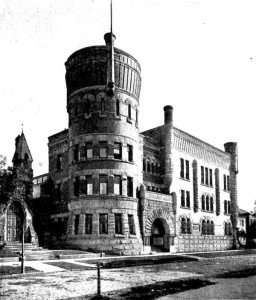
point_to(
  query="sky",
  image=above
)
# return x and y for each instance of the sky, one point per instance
(198, 56)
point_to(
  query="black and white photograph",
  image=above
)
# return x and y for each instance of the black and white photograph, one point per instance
(127, 155)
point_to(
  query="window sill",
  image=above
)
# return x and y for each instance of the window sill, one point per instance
(207, 211)
(207, 185)
(227, 214)
(128, 120)
(104, 234)
(185, 179)
(184, 207)
(119, 235)
(226, 191)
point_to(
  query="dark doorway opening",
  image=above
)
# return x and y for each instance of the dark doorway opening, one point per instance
(157, 236)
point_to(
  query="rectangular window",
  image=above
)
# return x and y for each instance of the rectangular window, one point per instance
(102, 106)
(89, 185)
(58, 192)
(76, 224)
(206, 176)
(210, 177)
(187, 199)
(118, 224)
(182, 203)
(117, 185)
(59, 162)
(202, 174)
(88, 224)
(228, 207)
(103, 223)
(129, 186)
(103, 149)
(130, 152)
(144, 165)
(187, 169)
(76, 186)
(76, 152)
(89, 150)
(82, 185)
(117, 107)
(228, 183)
(182, 168)
(103, 184)
(224, 182)
(131, 224)
(117, 150)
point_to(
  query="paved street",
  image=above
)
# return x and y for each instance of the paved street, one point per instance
(221, 278)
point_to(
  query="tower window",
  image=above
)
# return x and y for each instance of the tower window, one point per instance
(117, 185)
(117, 150)
(89, 150)
(102, 106)
(131, 224)
(117, 107)
(129, 186)
(76, 186)
(103, 223)
(103, 184)
(76, 225)
(118, 224)
(88, 224)
(130, 152)
(76, 152)
(103, 149)
(59, 162)
(129, 111)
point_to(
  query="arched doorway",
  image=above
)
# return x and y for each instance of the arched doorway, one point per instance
(157, 236)
(15, 219)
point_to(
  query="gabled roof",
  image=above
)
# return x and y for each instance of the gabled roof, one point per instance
(21, 148)
(241, 211)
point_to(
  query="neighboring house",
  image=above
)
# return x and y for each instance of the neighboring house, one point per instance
(125, 192)
(15, 212)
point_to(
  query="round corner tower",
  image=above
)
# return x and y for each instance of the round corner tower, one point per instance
(103, 88)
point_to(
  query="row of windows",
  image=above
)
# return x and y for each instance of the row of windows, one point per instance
(207, 203)
(151, 167)
(207, 227)
(84, 185)
(227, 228)
(103, 224)
(184, 169)
(85, 108)
(87, 151)
(206, 175)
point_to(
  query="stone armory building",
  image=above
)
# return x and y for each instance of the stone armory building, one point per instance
(125, 192)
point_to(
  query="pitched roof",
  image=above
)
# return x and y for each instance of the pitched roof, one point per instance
(21, 148)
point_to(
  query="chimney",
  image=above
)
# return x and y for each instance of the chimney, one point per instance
(168, 116)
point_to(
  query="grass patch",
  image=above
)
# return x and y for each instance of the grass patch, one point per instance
(67, 265)
(8, 270)
(224, 254)
(243, 273)
(153, 291)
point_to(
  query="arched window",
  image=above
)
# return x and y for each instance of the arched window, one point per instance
(203, 202)
(211, 203)
(212, 228)
(183, 225)
(117, 107)
(152, 168)
(188, 226)
(208, 227)
(148, 166)
(204, 231)
(129, 111)
(102, 106)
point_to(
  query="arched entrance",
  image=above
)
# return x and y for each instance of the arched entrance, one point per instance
(15, 219)
(157, 242)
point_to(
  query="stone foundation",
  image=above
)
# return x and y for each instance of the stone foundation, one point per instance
(191, 243)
